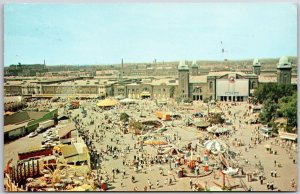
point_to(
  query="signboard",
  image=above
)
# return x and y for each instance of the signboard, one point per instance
(232, 87)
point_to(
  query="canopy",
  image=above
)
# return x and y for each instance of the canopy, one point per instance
(127, 101)
(201, 123)
(215, 146)
(290, 136)
(216, 129)
(230, 171)
(107, 102)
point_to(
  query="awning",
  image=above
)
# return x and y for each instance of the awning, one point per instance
(290, 136)
(107, 103)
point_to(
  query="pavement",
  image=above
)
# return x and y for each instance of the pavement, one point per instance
(285, 174)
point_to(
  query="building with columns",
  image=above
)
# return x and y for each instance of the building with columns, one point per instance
(218, 85)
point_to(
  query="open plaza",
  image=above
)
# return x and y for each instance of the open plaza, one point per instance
(179, 151)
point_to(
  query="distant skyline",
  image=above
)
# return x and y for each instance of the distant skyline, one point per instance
(105, 33)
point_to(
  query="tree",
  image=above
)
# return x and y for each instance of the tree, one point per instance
(216, 119)
(124, 117)
(272, 91)
(135, 126)
(288, 109)
(269, 111)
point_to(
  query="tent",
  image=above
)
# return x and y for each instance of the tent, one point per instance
(230, 171)
(127, 101)
(201, 123)
(173, 151)
(215, 146)
(216, 129)
(108, 102)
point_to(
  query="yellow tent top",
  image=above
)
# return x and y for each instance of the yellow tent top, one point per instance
(107, 102)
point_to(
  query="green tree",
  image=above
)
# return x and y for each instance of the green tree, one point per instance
(269, 111)
(216, 119)
(288, 109)
(124, 117)
(272, 91)
(135, 126)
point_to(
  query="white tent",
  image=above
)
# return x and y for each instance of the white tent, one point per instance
(215, 146)
(127, 101)
(230, 171)
(215, 129)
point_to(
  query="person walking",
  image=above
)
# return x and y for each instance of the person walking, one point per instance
(157, 184)
(272, 185)
(261, 178)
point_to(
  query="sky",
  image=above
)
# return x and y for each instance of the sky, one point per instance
(105, 33)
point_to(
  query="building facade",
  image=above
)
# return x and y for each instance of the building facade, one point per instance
(182, 85)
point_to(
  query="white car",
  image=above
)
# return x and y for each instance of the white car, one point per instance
(32, 134)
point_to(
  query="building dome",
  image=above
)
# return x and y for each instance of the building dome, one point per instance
(182, 65)
(194, 64)
(284, 63)
(256, 63)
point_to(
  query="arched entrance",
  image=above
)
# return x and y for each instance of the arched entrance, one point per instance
(145, 95)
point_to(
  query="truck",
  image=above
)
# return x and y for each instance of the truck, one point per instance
(163, 116)
(45, 125)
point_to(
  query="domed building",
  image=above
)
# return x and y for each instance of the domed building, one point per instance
(284, 71)
(195, 68)
(184, 79)
(256, 66)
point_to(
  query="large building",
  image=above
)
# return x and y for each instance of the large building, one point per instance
(187, 82)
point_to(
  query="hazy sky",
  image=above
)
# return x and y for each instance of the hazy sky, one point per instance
(105, 33)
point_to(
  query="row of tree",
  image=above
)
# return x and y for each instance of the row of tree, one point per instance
(278, 101)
